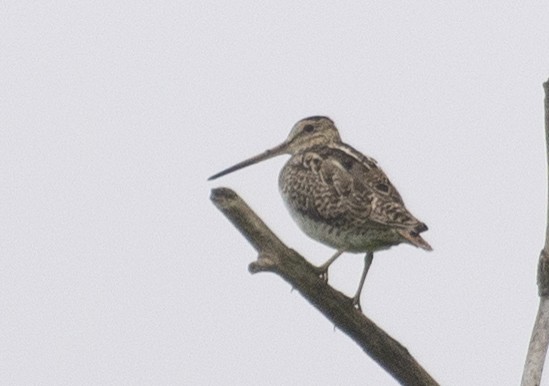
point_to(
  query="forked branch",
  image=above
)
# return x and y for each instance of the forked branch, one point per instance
(274, 256)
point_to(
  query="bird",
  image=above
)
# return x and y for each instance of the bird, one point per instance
(339, 196)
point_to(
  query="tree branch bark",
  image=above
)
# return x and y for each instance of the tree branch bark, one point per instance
(274, 256)
(537, 350)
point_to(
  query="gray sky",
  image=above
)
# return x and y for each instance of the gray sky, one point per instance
(116, 268)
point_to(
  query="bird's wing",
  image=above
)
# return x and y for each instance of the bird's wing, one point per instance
(363, 189)
(347, 190)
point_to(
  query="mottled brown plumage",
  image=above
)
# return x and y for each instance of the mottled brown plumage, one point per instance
(339, 196)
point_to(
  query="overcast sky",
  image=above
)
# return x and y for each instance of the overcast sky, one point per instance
(115, 268)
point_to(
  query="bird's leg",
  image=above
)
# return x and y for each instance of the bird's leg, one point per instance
(367, 262)
(323, 269)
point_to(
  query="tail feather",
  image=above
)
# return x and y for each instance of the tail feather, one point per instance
(413, 237)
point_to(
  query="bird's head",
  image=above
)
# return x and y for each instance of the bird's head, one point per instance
(305, 134)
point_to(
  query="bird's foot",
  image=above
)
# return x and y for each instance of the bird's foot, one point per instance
(355, 301)
(322, 272)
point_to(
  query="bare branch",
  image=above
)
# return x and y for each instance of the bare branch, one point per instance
(537, 350)
(276, 257)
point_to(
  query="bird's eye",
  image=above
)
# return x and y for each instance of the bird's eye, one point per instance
(308, 128)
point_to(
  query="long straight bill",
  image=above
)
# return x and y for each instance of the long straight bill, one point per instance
(278, 150)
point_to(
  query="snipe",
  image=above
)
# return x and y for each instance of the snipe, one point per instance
(338, 195)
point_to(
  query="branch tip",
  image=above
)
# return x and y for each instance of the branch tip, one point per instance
(265, 262)
(255, 267)
(222, 196)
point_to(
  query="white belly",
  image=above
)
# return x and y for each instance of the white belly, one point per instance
(363, 240)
